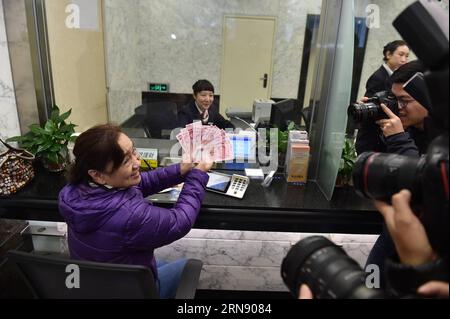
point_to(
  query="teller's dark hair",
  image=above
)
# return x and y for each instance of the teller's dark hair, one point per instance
(391, 47)
(202, 85)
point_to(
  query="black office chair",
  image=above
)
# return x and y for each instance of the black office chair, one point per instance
(159, 118)
(46, 277)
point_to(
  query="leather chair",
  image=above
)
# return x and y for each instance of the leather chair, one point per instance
(50, 277)
(159, 118)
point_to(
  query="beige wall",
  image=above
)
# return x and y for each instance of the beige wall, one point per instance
(180, 41)
(78, 67)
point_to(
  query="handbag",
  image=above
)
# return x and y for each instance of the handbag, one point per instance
(16, 169)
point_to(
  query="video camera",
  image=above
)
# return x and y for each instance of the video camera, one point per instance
(322, 265)
(371, 110)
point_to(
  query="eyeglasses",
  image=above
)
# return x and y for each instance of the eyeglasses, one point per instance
(403, 103)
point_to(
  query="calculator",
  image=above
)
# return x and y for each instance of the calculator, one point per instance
(231, 185)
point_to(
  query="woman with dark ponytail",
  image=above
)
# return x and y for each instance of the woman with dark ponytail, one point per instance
(395, 54)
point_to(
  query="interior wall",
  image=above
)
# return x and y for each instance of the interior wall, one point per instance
(9, 121)
(179, 42)
(78, 66)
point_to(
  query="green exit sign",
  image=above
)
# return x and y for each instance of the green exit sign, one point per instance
(158, 87)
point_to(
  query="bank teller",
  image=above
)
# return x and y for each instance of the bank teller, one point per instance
(202, 107)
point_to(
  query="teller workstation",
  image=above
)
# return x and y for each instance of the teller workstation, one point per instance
(279, 207)
(260, 206)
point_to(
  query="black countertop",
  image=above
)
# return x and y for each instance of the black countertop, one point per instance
(280, 207)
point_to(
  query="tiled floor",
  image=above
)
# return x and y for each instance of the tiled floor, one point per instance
(244, 260)
(235, 260)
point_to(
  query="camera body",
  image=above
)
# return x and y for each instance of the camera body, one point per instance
(371, 110)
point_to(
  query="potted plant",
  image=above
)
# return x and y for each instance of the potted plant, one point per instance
(348, 158)
(49, 143)
(283, 137)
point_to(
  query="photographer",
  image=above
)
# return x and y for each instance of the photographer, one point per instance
(411, 117)
(411, 242)
(403, 134)
(395, 54)
(412, 142)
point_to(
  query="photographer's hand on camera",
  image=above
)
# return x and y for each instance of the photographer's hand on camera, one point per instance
(391, 126)
(437, 289)
(305, 292)
(403, 225)
(413, 247)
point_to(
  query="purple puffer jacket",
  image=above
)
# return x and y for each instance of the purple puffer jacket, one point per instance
(121, 226)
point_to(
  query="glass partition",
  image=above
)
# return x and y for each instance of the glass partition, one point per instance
(331, 92)
(105, 56)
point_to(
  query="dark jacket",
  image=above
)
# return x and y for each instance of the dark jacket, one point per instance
(412, 142)
(369, 138)
(377, 82)
(121, 226)
(189, 113)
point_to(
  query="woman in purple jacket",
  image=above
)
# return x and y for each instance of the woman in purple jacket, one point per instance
(108, 217)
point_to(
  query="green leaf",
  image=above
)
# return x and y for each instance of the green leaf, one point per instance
(69, 128)
(55, 114)
(52, 157)
(64, 116)
(39, 131)
(50, 141)
(50, 126)
(15, 139)
(55, 148)
(348, 158)
(43, 148)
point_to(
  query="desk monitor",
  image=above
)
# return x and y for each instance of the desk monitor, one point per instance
(284, 111)
(244, 146)
(244, 151)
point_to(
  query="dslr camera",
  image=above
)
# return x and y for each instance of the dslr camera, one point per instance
(371, 110)
(325, 267)
(327, 270)
(330, 273)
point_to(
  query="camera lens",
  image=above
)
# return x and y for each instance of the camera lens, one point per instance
(327, 270)
(380, 175)
(364, 112)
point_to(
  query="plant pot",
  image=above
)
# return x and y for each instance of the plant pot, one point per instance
(54, 167)
(343, 181)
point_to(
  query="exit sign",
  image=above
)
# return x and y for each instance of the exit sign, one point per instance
(158, 87)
